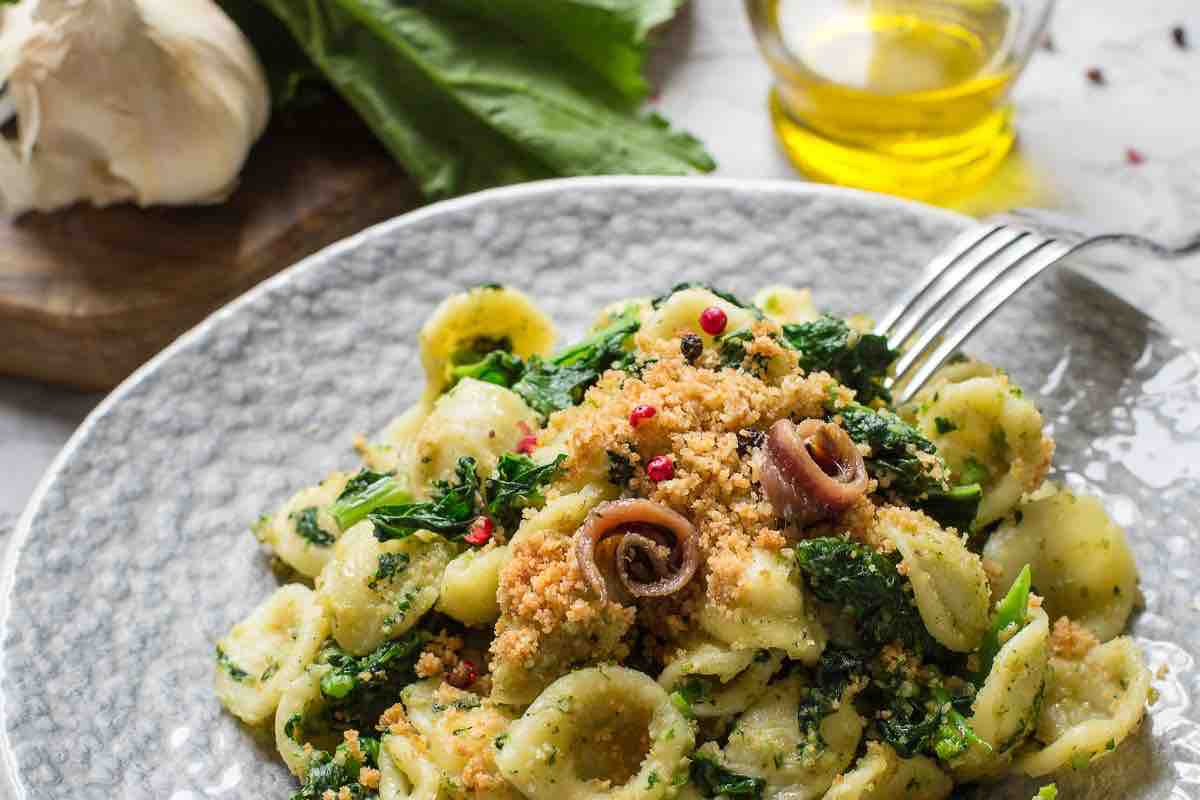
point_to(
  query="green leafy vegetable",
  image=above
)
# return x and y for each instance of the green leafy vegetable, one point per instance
(954, 508)
(309, 529)
(731, 348)
(293, 79)
(499, 367)
(518, 484)
(934, 725)
(837, 669)
(866, 585)
(450, 512)
(713, 780)
(895, 445)
(1047, 792)
(464, 103)
(858, 361)
(390, 565)
(1011, 611)
(329, 774)
(233, 670)
(355, 701)
(364, 493)
(561, 382)
(944, 426)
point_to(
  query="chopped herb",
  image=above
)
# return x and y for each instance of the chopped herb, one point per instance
(713, 780)
(944, 426)
(294, 727)
(309, 529)
(652, 779)
(269, 672)
(390, 565)
(856, 360)
(500, 741)
(233, 670)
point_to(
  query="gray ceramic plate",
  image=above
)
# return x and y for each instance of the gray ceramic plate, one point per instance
(134, 555)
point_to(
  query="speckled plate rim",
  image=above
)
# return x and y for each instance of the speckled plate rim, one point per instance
(329, 255)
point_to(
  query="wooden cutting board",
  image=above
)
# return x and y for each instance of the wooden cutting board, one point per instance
(87, 295)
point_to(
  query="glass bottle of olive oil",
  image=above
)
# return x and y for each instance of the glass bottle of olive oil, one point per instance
(900, 96)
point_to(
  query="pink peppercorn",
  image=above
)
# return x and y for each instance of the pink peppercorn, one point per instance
(481, 531)
(660, 468)
(1134, 156)
(463, 675)
(713, 320)
(527, 444)
(640, 413)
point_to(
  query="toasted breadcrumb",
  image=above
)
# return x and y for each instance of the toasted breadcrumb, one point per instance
(1070, 640)
(369, 777)
(394, 720)
(352, 746)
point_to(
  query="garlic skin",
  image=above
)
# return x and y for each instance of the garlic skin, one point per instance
(149, 101)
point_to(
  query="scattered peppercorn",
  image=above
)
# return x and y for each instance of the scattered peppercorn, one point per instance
(1179, 34)
(660, 468)
(640, 413)
(481, 531)
(1096, 76)
(1134, 156)
(527, 444)
(748, 439)
(713, 320)
(692, 347)
(463, 675)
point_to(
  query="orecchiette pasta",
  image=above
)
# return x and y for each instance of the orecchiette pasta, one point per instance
(728, 681)
(1006, 708)
(469, 586)
(690, 491)
(785, 304)
(770, 611)
(883, 775)
(375, 591)
(265, 652)
(598, 733)
(407, 771)
(302, 533)
(767, 743)
(1092, 704)
(1080, 559)
(475, 419)
(948, 580)
(989, 433)
(680, 314)
(492, 314)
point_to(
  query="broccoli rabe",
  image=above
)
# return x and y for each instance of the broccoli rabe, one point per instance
(713, 780)
(931, 723)
(732, 351)
(499, 367)
(835, 672)
(450, 512)
(330, 774)
(866, 585)
(856, 360)
(364, 493)
(560, 382)
(1012, 611)
(357, 689)
(517, 484)
(907, 465)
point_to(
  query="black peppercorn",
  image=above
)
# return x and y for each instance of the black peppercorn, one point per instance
(692, 346)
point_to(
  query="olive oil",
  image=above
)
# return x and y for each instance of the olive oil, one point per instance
(899, 96)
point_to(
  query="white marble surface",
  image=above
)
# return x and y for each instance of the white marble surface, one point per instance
(1073, 141)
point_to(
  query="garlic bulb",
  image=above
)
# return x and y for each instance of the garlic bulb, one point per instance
(149, 101)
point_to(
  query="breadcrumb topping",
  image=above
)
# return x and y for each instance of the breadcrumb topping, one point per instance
(1070, 640)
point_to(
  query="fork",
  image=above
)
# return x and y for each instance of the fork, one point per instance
(976, 274)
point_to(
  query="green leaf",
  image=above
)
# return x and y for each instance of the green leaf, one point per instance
(364, 493)
(1010, 611)
(450, 512)
(608, 37)
(518, 484)
(856, 360)
(896, 446)
(955, 508)
(498, 367)
(293, 79)
(561, 382)
(464, 104)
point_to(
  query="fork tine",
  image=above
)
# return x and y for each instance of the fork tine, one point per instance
(1012, 279)
(963, 291)
(945, 275)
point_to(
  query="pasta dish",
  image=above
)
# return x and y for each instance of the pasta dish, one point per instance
(697, 554)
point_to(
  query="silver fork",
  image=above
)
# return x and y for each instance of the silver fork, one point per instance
(976, 274)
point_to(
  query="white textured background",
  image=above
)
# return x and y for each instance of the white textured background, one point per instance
(1073, 141)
